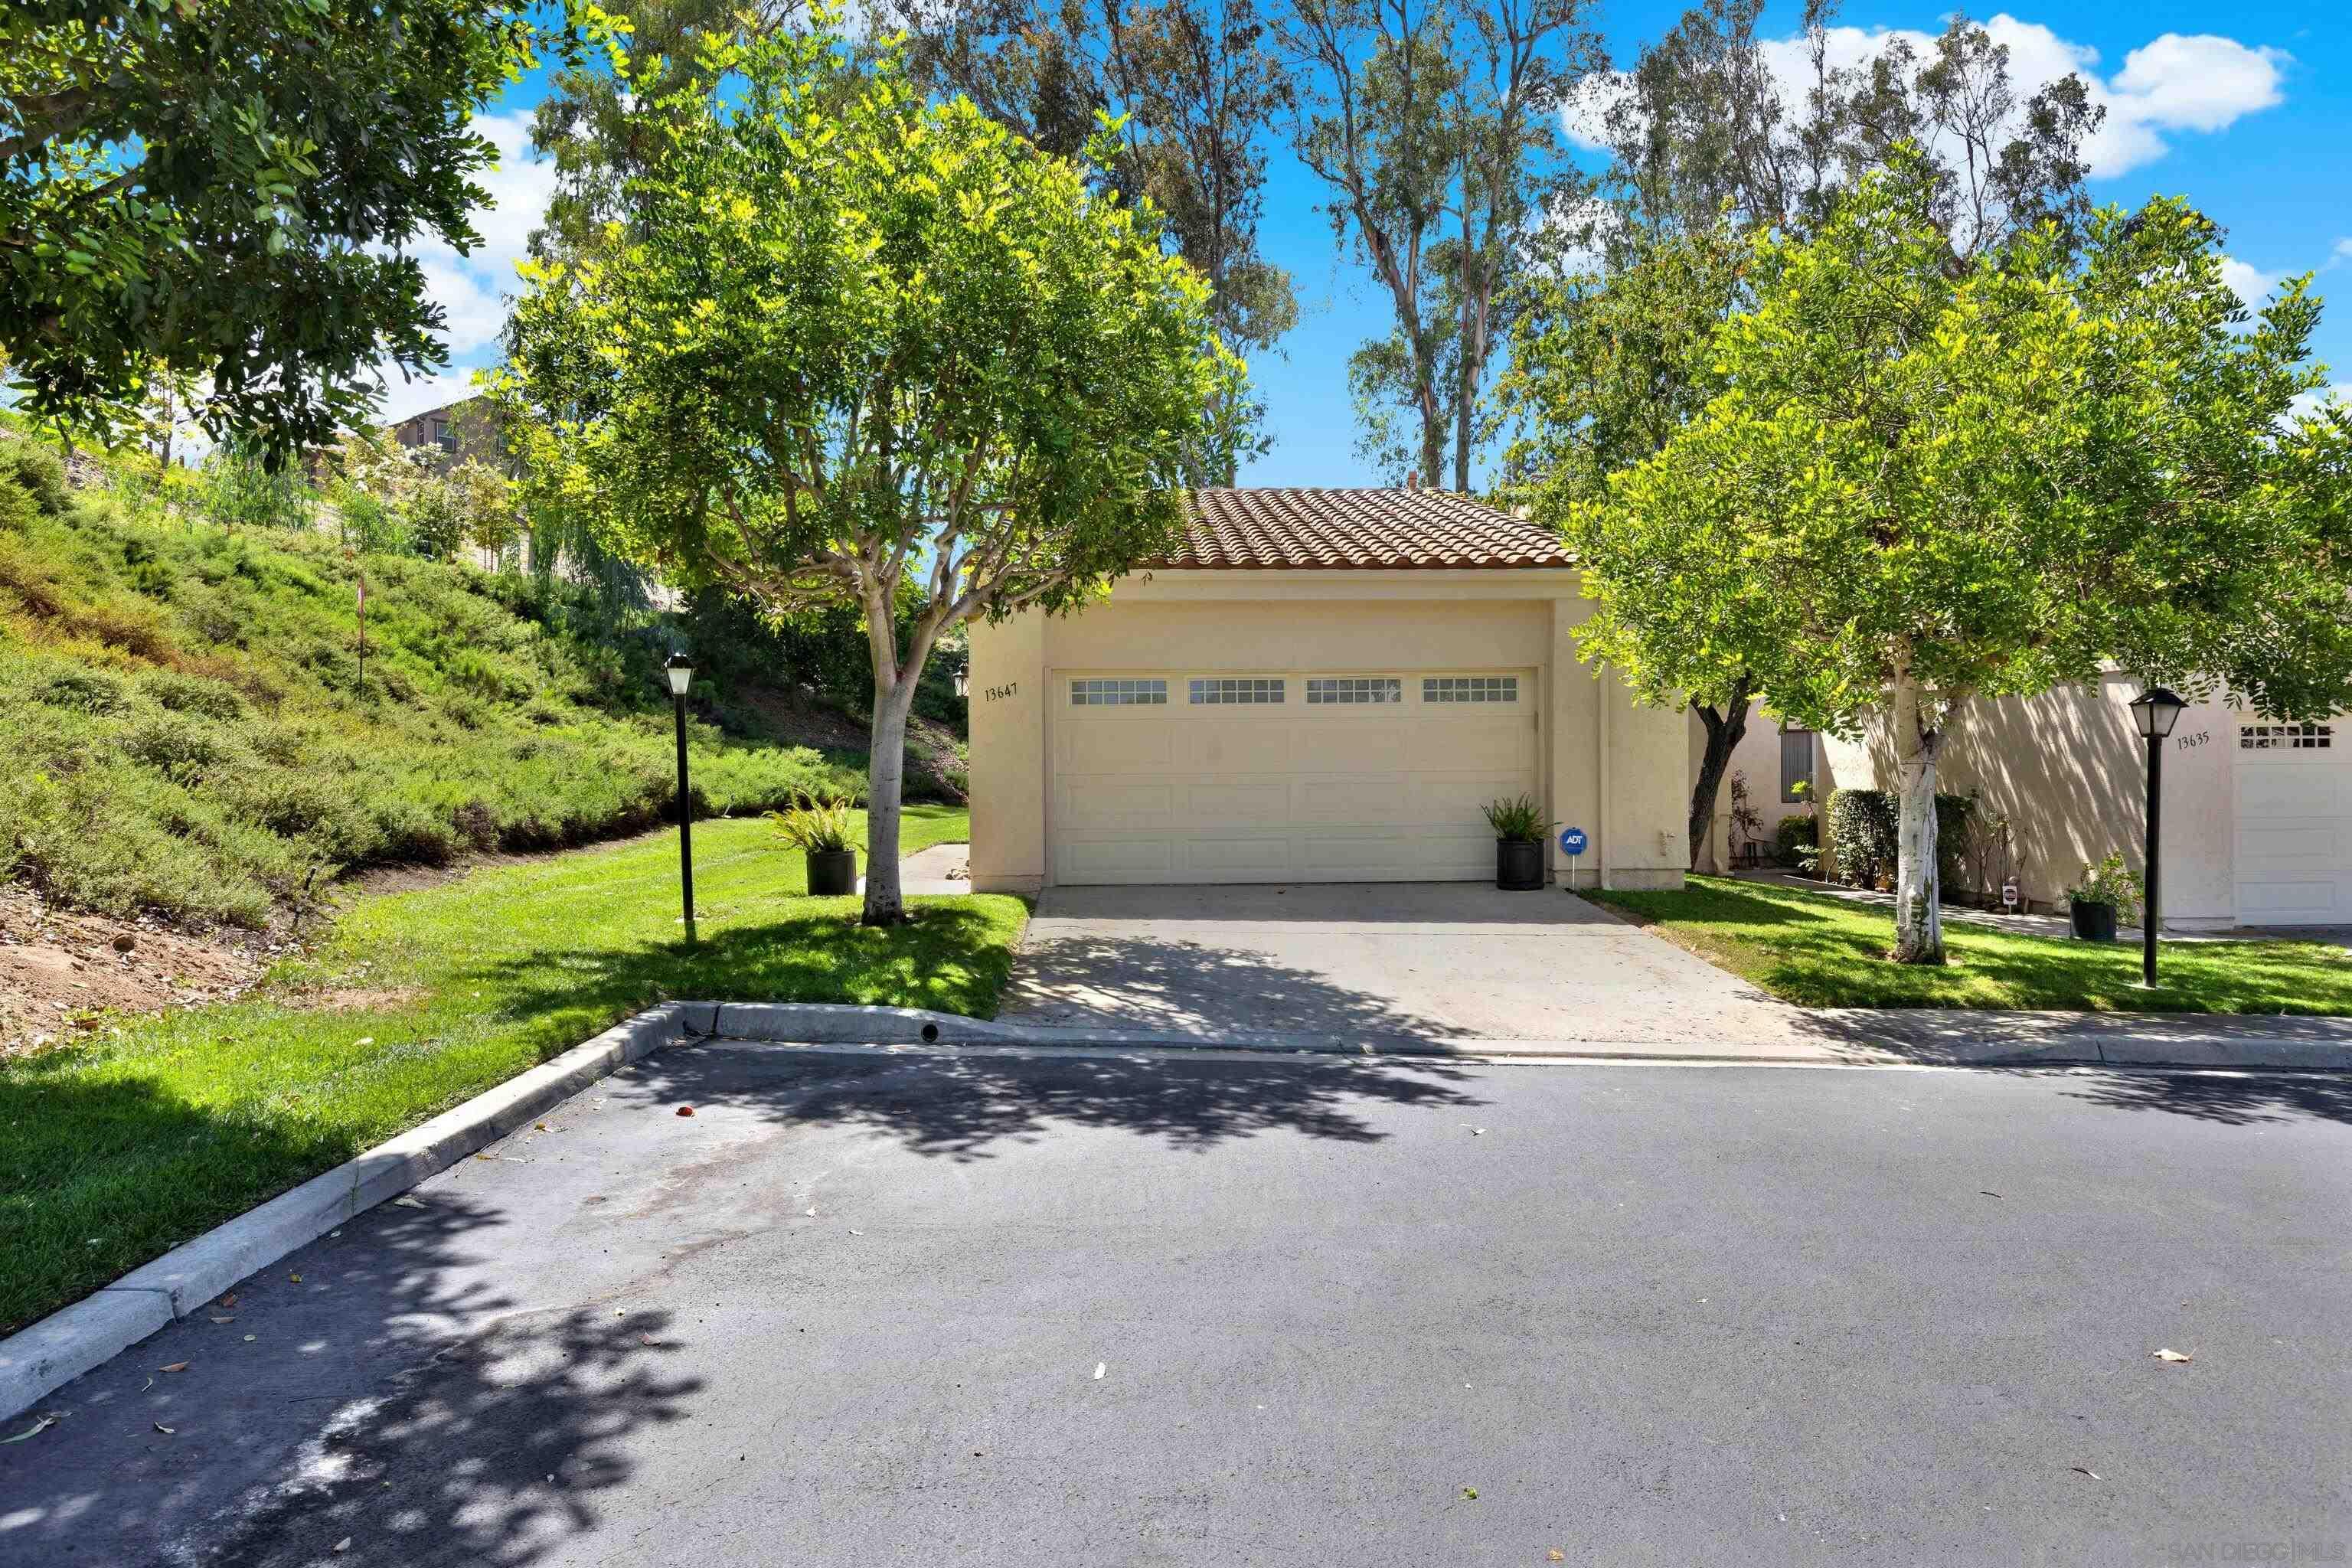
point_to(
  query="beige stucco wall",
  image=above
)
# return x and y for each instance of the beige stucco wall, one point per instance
(1758, 755)
(1619, 770)
(2070, 772)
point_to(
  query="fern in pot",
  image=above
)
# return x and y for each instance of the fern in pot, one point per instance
(1519, 830)
(819, 830)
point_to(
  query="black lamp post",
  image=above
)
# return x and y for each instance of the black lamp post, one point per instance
(680, 670)
(2155, 711)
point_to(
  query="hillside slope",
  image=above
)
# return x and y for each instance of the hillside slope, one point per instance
(190, 731)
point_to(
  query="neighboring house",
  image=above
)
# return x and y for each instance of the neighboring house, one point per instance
(455, 432)
(2257, 814)
(1317, 686)
(1776, 755)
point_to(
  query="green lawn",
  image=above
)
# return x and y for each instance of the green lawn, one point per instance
(112, 1153)
(1826, 952)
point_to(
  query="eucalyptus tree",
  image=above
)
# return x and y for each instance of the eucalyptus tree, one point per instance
(1436, 127)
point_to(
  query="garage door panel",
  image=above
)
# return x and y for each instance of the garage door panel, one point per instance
(1355, 799)
(2295, 845)
(1486, 744)
(2287, 903)
(1115, 860)
(1376, 856)
(1331, 747)
(1210, 804)
(1099, 805)
(2302, 791)
(1241, 859)
(1122, 745)
(1460, 799)
(1231, 746)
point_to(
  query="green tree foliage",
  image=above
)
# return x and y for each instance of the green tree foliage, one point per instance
(1709, 147)
(1929, 483)
(228, 188)
(852, 342)
(1436, 125)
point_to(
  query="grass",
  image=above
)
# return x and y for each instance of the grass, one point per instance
(1826, 952)
(115, 1151)
(188, 733)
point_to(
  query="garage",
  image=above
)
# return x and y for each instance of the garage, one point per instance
(1285, 776)
(1316, 686)
(2294, 827)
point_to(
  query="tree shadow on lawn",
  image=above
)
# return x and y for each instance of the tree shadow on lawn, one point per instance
(950, 956)
(382, 1399)
(963, 1105)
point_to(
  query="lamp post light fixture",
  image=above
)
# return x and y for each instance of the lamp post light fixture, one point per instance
(680, 670)
(2155, 712)
(963, 682)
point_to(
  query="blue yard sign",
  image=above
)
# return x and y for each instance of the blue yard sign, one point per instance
(1573, 840)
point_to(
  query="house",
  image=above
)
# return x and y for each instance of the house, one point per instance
(455, 432)
(1318, 684)
(1775, 755)
(2257, 813)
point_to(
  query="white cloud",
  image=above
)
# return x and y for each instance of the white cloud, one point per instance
(2251, 285)
(402, 398)
(2311, 402)
(2176, 82)
(472, 287)
(2338, 256)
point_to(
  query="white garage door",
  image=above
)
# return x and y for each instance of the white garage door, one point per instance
(1294, 776)
(2294, 825)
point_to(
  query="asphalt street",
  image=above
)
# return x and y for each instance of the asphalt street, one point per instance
(967, 1309)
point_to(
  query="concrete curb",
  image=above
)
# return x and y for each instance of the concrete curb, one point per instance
(37, 1360)
(2062, 1044)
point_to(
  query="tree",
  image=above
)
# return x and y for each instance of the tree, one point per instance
(1708, 142)
(230, 189)
(1927, 483)
(1422, 116)
(1194, 85)
(844, 349)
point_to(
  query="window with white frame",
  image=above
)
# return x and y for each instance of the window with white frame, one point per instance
(1470, 688)
(1118, 693)
(1342, 691)
(2285, 737)
(1231, 691)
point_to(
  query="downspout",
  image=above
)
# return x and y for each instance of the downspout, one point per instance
(1600, 762)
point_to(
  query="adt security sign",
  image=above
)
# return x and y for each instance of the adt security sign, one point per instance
(1571, 841)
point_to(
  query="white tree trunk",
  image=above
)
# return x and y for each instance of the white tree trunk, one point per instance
(886, 782)
(1919, 739)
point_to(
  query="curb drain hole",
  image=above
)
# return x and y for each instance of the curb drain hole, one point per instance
(931, 1034)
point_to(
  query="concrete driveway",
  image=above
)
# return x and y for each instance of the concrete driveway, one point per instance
(1376, 962)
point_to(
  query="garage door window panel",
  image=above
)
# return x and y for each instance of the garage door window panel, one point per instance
(1118, 693)
(1354, 691)
(1476, 691)
(1238, 692)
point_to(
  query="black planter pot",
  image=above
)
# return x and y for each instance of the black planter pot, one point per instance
(2093, 922)
(831, 872)
(1518, 867)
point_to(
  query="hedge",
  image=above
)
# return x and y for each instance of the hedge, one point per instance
(1863, 836)
(1791, 837)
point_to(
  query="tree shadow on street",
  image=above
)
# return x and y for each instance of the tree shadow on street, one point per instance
(963, 1104)
(284, 1430)
(2233, 1100)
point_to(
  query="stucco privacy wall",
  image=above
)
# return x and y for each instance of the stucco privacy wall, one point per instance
(1369, 622)
(2070, 769)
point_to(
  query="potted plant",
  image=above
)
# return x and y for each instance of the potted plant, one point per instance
(2108, 892)
(1519, 828)
(819, 830)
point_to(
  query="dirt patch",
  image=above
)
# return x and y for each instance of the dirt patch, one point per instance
(63, 974)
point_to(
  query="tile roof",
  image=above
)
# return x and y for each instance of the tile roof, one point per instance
(1358, 530)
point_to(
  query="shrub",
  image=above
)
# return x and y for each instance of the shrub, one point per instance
(174, 744)
(84, 690)
(192, 694)
(1791, 837)
(1863, 836)
(38, 471)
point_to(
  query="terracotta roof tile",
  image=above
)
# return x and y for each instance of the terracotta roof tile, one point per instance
(1355, 529)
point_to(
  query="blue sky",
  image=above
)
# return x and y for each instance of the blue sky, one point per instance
(2246, 110)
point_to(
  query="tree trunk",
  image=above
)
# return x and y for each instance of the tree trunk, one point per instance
(886, 781)
(1725, 728)
(1918, 741)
